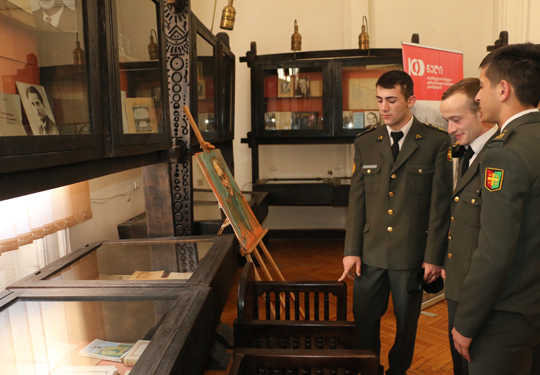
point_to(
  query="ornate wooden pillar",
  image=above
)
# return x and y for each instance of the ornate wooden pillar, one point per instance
(178, 60)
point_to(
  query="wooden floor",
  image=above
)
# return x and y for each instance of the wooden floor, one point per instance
(321, 260)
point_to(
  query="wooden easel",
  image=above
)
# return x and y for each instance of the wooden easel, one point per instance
(206, 146)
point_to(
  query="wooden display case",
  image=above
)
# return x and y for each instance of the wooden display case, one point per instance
(46, 331)
(82, 97)
(317, 97)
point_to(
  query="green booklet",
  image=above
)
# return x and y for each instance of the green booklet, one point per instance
(107, 350)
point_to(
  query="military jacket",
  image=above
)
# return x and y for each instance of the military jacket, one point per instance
(399, 212)
(505, 268)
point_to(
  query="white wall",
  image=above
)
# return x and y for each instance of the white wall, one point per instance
(114, 200)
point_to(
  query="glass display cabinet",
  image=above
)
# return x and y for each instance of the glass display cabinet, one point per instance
(213, 72)
(80, 81)
(315, 97)
(136, 263)
(104, 331)
(145, 264)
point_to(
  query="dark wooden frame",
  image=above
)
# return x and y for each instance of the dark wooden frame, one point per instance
(266, 361)
(222, 52)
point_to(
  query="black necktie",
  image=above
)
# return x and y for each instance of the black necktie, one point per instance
(466, 157)
(396, 136)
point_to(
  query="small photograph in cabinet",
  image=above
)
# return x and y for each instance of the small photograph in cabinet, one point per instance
(58, 13)
(358, 120)
(37, 108)
(277, 120)
(10, 115)
(285, 89)
(348, 119)
(305, 120)
(141, 115)
(302, 87)
(373, 118)
(201, 89)
(243, 221)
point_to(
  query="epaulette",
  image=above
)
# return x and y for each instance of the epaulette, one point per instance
(501, 138)
(367, 130)
(436, 127)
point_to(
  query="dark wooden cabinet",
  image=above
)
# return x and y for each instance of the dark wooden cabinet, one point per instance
(317, 97)
(83, 97)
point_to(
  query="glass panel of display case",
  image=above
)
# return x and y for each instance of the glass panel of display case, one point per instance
(360, 108)
(140, 66)
(137, 262)
(45, 336)
(205, 85)
(294, 99)
(44, 74)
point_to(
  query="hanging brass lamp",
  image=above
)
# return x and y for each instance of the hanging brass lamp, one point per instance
(296, 39)
(79, 57)
(363, 38)
(227, 17)
(153, 48)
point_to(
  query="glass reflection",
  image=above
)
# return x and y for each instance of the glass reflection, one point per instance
(44, 77)
(205, 85)
(140, 67)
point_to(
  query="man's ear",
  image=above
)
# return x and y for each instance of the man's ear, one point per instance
(411, 101)
(504, 90)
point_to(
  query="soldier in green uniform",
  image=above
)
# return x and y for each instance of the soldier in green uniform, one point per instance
(464, 118)
(497, 322)
(398, 217)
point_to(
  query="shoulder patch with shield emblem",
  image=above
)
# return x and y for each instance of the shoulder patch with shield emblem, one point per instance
(493, 179)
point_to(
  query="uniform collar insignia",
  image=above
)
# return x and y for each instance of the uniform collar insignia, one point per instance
(381, 137)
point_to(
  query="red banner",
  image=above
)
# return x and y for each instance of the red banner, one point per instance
(433, 70)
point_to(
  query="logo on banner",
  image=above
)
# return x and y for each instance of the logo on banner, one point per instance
(416, 67)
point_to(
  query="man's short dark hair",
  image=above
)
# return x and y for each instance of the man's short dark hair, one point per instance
(467, 86)
(394, 78)
(33, 90)
(519, 64)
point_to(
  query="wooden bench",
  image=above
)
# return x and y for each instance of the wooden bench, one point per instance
(263, 321)
(284, 362)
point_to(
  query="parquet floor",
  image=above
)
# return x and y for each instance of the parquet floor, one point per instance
(321, 260)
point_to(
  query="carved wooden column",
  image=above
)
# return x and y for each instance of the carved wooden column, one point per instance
(178, 53)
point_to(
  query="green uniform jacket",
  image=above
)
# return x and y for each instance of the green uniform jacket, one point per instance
(464, 226)
(399, 213)
(505, 268)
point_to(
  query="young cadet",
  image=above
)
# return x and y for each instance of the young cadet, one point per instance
(497, 321)
(398, 217)
(464, 118)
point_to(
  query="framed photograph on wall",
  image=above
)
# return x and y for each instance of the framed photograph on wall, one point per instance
(141, 115)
